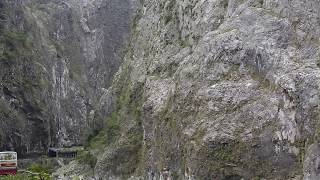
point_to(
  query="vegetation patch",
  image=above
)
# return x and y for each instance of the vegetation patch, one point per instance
(34, 172)
(85, 157)
(126, 119)
(14, 46)
(225, 3)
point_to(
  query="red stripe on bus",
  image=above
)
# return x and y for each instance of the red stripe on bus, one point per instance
(8, 171)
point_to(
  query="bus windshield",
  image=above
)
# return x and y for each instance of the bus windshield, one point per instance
(4, 156)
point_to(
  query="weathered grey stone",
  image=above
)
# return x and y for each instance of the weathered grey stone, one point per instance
(311, 163)
(230, 89)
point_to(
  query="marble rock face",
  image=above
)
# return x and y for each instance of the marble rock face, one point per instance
(230, 90)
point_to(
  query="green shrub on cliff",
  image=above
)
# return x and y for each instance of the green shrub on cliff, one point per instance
(16, 177)
(85, 157)
(13, 45)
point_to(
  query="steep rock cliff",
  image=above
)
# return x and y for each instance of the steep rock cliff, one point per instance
(216, 89)
(57, 59)
(208, 89)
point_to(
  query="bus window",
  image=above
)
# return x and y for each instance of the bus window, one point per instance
(8, 156)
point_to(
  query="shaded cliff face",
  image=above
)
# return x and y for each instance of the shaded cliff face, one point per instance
(221, 89)
(57, 59)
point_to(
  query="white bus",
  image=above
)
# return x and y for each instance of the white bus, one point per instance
(8, 163)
